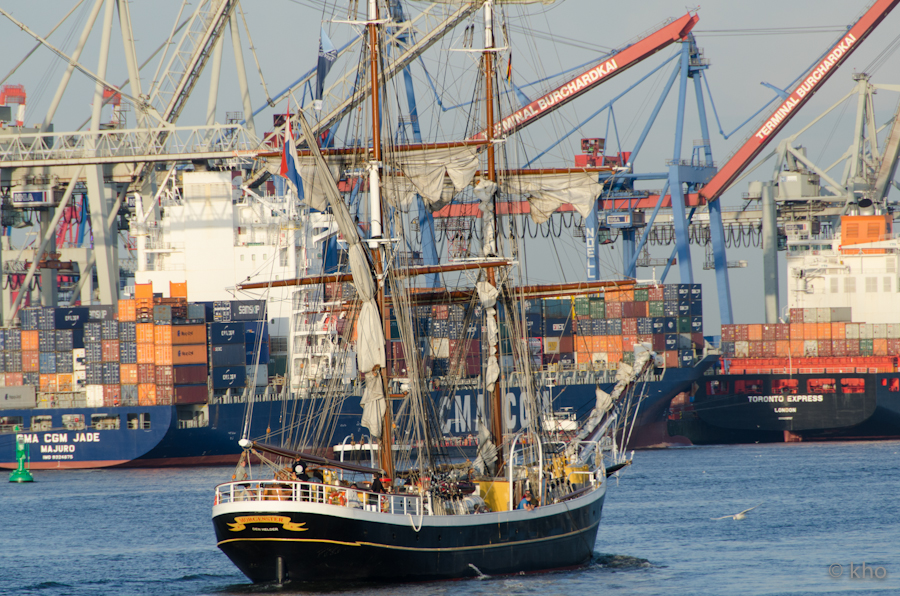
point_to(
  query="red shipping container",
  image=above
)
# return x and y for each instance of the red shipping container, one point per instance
(566, 344)
(839, 348)
(768, 333)
(191, 394)
(613, 310)
(648, 339)
(852, 347)
(656, 293)
(641, 309)
(629, 326)
(473, 365)
(441, 311)
(742, 333)
(165, 395)
(671, 357)
(110, 350)
(165, 375)
(627, 310)
(193, 374)
(796, 315)
(893, 347)
(824, 347)
(15, 379)
(659, 342)
(146, 374)
(628, 342)
(112, 395)
(31, 360)
(782, 331)
(769, 349)
(728, 333)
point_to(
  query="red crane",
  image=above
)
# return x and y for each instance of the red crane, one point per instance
(599, 73)
(801, 93)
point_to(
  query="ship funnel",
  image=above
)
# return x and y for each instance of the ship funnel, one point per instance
(866, 207)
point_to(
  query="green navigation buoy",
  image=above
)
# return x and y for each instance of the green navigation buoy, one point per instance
(21, 474)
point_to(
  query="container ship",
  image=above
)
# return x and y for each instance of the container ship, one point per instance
(825, 375)
(160, 380)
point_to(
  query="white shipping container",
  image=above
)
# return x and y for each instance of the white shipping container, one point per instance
(810, 348)
(879, 330)
(865, 331)
(94, 396)
(742, 349)
(440, 347)
(261, 372)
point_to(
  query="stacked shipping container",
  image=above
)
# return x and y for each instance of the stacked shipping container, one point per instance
(816, 339)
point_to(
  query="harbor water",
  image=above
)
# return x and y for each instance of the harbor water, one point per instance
(828, 522)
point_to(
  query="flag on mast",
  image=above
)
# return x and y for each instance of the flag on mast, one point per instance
(327, 56)
(290, 170)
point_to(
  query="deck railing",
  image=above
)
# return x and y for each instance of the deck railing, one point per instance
(315, 492)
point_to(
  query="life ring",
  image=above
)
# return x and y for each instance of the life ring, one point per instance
(338, 497)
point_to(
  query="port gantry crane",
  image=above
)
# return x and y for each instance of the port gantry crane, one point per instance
(123, 158)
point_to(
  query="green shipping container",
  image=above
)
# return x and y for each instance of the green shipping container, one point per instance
(866, 347)
(642, 295)
(628, 357)
(598, 308)
(583, 306)
(656, 308)
(684, 324)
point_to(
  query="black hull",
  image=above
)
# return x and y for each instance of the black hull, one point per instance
(831, 416)
(338, 544)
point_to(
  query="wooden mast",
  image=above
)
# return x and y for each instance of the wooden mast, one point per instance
(386, 455)
(497, 395)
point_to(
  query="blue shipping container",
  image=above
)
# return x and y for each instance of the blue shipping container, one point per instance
(252, 353)
(227, 377)
(226, 333)
(70, 318)
(228, 355)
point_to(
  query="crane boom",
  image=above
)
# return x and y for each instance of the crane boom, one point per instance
(888, 165)
(801, 93)
(599, 73)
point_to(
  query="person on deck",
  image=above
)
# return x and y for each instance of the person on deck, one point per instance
(527, 503)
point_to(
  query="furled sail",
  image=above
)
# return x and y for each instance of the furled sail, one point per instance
(547, 192)
(371, 356)
(424, 174)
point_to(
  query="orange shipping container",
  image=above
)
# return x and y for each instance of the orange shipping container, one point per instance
(583, 357)
(582, 344)
(782, 348)
(197, 354)
(146, 354)
(797, 331)
(178, 289)
(188, 335)
(754, 332)
(64, 381)
(30, 341)
(143, 291)
(47, 383)
(614, 344)
(797, 348)
(144, 333)
(128, 374)
(838, 331)
(879, 347)
(614, 356)
(147, 394)
(162, 335)
(127, 310)
(163, 354)
(31, 360)
(810, 330)
(823, 330)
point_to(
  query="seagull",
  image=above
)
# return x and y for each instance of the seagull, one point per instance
(737, 516)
